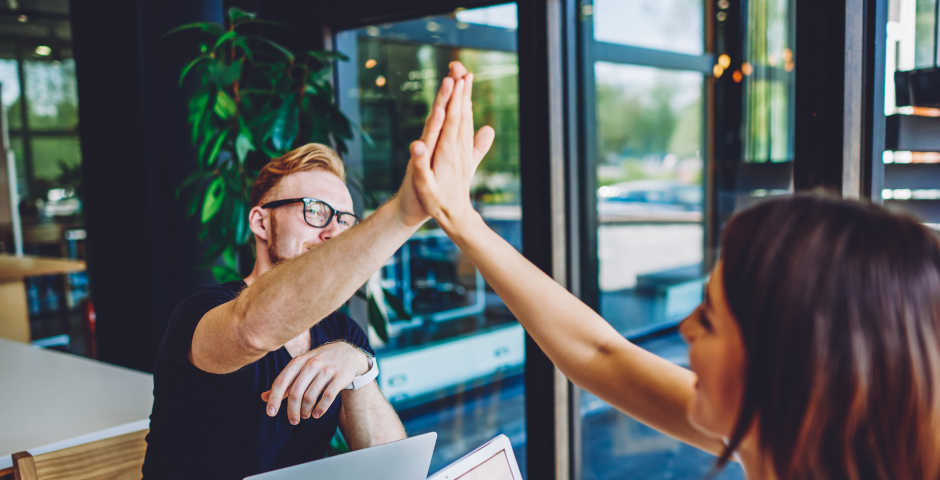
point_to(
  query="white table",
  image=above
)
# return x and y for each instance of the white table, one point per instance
(51, 400)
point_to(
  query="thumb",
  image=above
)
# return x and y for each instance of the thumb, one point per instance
(482, 142)
(420, 155)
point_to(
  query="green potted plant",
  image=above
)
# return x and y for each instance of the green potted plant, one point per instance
(254, 99)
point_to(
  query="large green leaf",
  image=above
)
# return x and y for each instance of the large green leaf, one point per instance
(214, 197)
(225, 106)
(224, 273)
(242, 42)
(241, 226)
(224, 75)
(189, 66)
(197, 110)
(259, 21)
(230, 257)
(280, 48)
(207, 27)
(217, 147)
(285, 127)
(243, 143)
(224, 38)
(327, 55)
(204, 98)
(237, 15)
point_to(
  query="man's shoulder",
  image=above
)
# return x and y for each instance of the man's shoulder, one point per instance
(209, 296)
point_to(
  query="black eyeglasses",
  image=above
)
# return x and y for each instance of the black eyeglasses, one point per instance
(318, 213)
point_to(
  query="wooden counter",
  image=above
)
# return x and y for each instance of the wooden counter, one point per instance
(14, 316)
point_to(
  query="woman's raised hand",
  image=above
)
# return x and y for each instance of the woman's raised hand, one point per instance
(442, 178)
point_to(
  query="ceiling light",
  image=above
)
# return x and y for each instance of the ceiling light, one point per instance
(371, 63)
(23, 18)
(43, 50)
(380, 81)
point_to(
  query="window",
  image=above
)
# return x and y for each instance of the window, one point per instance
(690, 121)
(40, 99)
(454, 355)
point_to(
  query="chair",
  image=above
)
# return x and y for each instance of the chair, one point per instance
(117, 458)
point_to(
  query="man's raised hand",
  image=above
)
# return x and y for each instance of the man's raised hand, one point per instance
(442, 180)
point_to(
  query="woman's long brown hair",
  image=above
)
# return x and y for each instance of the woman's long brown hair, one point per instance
(839, 307)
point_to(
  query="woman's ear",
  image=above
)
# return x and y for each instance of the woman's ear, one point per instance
(258, 223)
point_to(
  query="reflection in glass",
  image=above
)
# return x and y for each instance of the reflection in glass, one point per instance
(454, 358)
(10, 80)
(924, 34)
(673, 25)
(649, 174)
(768, 76)
(52, 94)
(50, 154)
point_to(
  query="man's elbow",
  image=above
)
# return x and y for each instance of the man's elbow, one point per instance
(253, 340)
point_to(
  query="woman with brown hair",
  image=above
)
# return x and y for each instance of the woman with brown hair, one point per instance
(815, 354)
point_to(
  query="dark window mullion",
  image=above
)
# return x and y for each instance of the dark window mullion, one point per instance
(24, 118)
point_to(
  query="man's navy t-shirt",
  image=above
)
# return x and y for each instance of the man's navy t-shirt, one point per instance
(205, 425)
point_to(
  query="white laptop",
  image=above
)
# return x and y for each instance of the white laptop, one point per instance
(407, 459)
(492, 461)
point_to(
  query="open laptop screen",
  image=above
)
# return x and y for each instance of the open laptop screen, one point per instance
(492, 461)
(495, 468)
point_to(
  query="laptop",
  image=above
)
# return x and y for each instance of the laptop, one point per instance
(492, 461)
(407, 459)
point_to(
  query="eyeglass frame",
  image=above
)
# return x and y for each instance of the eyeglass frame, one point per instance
(306, 201)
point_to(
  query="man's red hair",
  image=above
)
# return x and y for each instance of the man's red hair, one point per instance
(312, 156)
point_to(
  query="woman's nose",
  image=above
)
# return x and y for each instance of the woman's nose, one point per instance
(688, 328)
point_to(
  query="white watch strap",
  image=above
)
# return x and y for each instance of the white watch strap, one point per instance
(363, 380)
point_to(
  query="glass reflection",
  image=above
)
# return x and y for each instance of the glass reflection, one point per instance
(454, 355)
(52, 94)
(673, 25)
(649, 207)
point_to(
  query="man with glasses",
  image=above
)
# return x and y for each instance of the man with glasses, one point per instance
(233, 352)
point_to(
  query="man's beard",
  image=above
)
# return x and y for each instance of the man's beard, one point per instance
(273, 254)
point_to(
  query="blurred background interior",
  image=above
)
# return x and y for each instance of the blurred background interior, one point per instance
(628, 131)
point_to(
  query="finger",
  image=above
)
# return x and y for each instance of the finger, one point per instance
(312, 393)
(265, 395)
(280, 386)
(326, 400)
(434, 124)
(443, 96)
(295, 399)
(466, 131)
(457, 70)
(481, 144)
(420, 155)
(425, 184)
(454, 107)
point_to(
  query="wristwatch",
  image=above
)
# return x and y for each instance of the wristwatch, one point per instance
(366, 378)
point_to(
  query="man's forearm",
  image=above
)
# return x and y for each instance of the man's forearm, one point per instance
(291, 297)
(368, 420)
